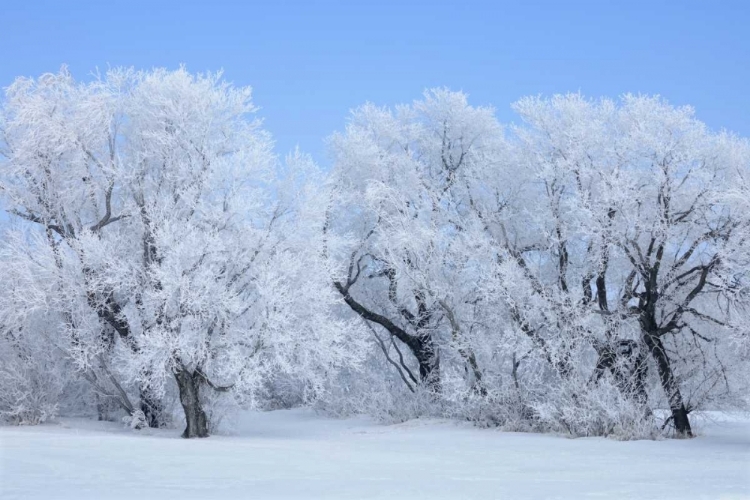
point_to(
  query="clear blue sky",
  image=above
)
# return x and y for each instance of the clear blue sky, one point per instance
(309, 62)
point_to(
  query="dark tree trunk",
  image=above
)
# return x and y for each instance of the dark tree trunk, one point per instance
(627, 363)
(421, 346)
(429, 363)
(637, 382)
(668, 382)
(152, 408)
(651, 333)
(111, 314)
(195, 418)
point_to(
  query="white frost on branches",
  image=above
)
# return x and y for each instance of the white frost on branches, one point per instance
(578, 272)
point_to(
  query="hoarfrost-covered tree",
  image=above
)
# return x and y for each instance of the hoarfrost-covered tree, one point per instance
(61, 149)
(633, 224)
(600, 244)
(409, 263)
(578, 272)
(163, 203)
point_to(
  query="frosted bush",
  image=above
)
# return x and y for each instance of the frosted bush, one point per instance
(29, 391)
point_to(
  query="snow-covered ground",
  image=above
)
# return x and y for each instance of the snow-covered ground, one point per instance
(296, 454)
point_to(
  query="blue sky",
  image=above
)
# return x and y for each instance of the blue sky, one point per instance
(309, 62)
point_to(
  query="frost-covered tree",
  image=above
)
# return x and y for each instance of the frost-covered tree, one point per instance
(633, 223)
(564, 265)
(175, 234)
(408, 261)
(61, 154)
(577, 272)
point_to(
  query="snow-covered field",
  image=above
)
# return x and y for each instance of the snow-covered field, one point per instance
(296, 454)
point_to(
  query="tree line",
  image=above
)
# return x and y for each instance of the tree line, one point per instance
(583, 271)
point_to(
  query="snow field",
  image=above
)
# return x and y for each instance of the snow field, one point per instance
(296, 454)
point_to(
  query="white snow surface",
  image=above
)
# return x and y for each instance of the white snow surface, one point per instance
(296, 454)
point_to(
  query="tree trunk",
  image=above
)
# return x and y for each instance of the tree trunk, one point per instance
(421, 346)
(668, 382)
(151, 408)
(627, 363)
(195, 418)
(429, 363)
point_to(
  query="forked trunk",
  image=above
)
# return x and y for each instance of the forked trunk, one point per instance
(195, 418)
